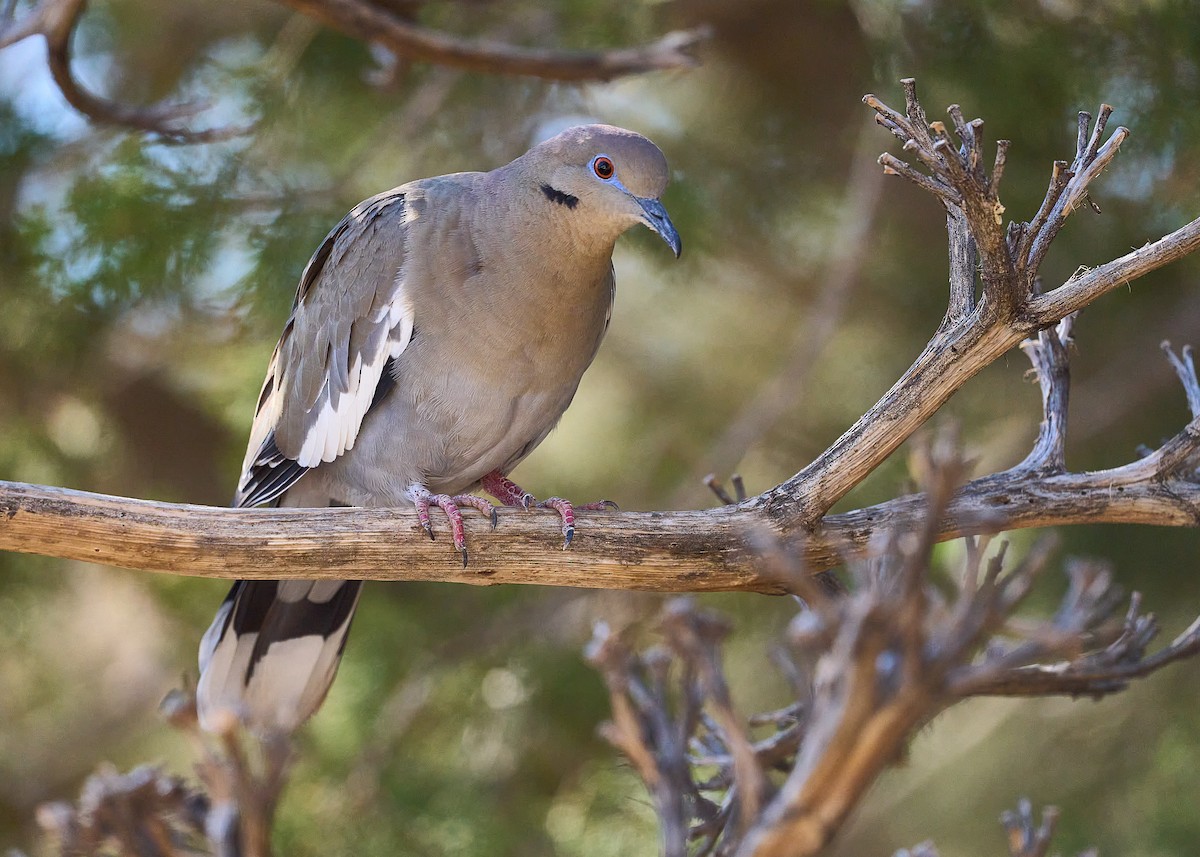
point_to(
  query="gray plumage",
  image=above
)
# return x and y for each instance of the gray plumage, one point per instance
(438, 334)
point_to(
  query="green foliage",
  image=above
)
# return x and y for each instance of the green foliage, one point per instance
(143, 285)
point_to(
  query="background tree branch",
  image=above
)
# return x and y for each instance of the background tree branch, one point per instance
(377, 23)
(391, 26)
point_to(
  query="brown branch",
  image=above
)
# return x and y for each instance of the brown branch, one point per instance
(372, 23)
(689, 551)
(39, 19)
(656, 551)
(1086, 285)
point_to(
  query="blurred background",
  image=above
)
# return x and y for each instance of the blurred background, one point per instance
(143, 287)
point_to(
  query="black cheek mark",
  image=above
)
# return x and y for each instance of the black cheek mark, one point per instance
(556, 195)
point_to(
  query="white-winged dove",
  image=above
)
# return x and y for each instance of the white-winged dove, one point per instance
(438, 334)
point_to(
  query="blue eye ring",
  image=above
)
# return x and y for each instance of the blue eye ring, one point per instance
(603, 167)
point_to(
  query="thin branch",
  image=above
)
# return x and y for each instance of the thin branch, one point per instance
(39, 19)
(947, 363)
(1048, 354)
(372, 23)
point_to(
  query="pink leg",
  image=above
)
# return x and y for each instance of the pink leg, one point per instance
(423, 499)
(506, 491)
(511, 494)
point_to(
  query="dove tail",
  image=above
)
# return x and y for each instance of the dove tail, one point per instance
(272, 652)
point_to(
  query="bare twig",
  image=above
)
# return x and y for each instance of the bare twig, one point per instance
(1185, 369)
(1048, 354)
(244, 776)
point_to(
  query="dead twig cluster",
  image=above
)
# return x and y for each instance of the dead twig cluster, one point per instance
(1026, 838)
(867, 671)
(144, 813)
(148, 813)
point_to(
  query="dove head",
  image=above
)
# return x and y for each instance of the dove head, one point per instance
(611, 178)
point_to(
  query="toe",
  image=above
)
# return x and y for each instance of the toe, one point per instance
(600, 506)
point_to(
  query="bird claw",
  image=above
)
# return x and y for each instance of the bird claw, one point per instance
(600, 506)
(511, 494)
(423, 499)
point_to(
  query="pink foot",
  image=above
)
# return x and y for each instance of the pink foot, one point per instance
(511, 494)
(423, 499)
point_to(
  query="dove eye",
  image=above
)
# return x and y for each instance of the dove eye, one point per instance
(603, 168)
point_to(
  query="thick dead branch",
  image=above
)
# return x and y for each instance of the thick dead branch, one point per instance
(658, 551)
(869, 670)
(652, 551)
(377, 24)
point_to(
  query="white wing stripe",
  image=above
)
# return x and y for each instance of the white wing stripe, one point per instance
(336, 418)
